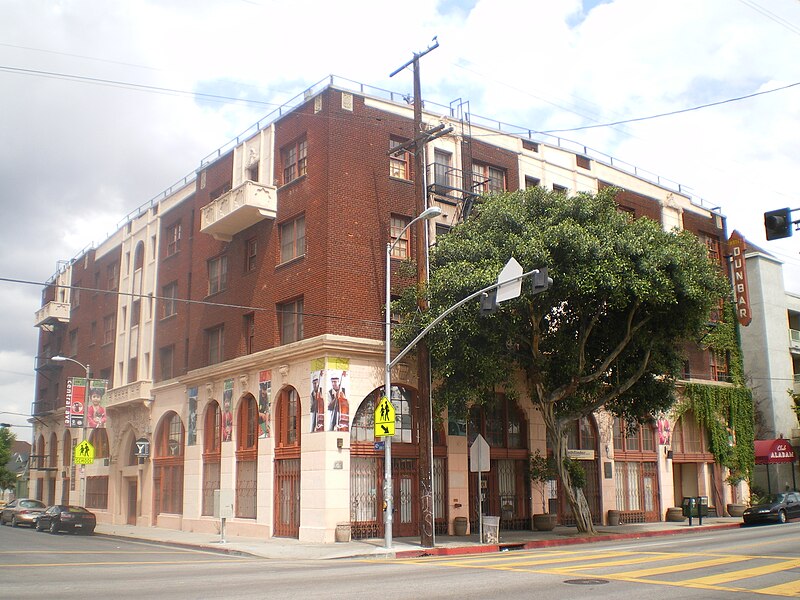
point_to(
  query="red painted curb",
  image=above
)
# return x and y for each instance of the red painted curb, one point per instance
(451, 551)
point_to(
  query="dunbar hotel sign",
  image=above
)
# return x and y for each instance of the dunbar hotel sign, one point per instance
(738, 246)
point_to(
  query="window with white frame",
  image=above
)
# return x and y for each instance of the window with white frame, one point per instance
(400, 236)
(215, 341)
(293, 239)
(291, 317)
(173, 239)
(169, 306)
(488, 179)
(217, 274)
(294, 157)
(399, 162)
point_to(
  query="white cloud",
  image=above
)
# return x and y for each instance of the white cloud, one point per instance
(78, 156)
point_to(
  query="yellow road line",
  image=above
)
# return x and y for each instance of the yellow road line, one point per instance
(714, 562)
(790, 590)
(626, 561)
(746, 573)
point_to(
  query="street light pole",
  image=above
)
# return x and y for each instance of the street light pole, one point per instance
(86, 368)
(429, 213)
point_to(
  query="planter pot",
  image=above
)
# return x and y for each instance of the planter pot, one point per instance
(675, 514)
(460, 526)
(613, 518)
(546, 522)
(736, 510)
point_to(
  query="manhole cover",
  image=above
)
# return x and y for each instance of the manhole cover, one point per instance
(586, 581)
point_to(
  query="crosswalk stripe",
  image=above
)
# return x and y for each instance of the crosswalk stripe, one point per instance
(714, 562)
(790, 590)
(776, 567)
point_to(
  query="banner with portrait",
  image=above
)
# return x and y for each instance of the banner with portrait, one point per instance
(264, 402)
(227, 410)
(191, 431)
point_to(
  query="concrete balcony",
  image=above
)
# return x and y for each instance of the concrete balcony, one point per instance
(239, 209)
(52, 312)
(138, 391)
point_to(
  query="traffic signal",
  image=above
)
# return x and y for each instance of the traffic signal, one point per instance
(541, 282)
(778, 223)
(488, 303)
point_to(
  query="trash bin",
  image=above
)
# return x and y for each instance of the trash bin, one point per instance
(613, 518)
(343, 532)
(460, 526)
(491, 530)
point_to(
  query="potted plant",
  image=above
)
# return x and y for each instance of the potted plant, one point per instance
(735, 509)
(542, 469)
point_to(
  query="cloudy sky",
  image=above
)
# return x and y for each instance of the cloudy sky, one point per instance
(107, 103)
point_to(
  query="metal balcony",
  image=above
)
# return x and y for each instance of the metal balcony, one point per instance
(51, 313)
(239, 209)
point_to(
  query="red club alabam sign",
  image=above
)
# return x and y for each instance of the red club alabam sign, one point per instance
(741, 294)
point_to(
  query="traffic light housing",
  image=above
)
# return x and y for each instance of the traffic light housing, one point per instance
(778, 223)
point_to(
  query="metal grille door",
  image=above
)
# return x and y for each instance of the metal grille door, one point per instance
(287, 497)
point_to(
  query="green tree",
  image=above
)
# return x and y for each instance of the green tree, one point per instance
(7, 478)
(610, 332)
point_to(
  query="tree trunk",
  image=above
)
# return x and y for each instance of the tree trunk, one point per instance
(575, 497)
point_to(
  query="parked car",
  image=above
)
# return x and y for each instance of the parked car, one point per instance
(778, 507)
(63, 517)
(21, 511)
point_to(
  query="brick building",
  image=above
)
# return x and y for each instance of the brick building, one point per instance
(238, 318)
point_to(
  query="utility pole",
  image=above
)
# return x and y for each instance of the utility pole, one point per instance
(424, 401)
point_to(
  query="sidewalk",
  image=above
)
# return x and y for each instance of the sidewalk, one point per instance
(292, 549)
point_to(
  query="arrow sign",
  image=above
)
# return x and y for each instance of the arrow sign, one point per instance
(510, 290)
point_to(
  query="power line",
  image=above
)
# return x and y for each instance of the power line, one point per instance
(190, 301)
(674, 112)
(134, 86)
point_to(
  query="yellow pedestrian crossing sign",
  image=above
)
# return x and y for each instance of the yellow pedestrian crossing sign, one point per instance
(84, 453)
(384, 418)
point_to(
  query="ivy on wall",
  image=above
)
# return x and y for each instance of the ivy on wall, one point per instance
(726, 412)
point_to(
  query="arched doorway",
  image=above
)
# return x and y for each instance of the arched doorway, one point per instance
(97, 485)
(367, 469)
(506, 486)
(52, 469)
(636, 472)
(582, 446)
(212, 455)
(67, 476)
(168, 466)
(287, 464)
(246, 457)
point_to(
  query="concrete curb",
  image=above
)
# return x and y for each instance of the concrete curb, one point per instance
(586, 539)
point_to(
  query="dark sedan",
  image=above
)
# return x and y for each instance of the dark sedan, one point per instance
(778, 508)
(22, 511)
(63, 517)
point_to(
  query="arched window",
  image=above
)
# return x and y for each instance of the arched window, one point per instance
(247, 424)
(287, 464)
(66, 445)
(212, 448)
(168, 465)
(246, 457)
(53, 458)
(99, 439)
(38, 452)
